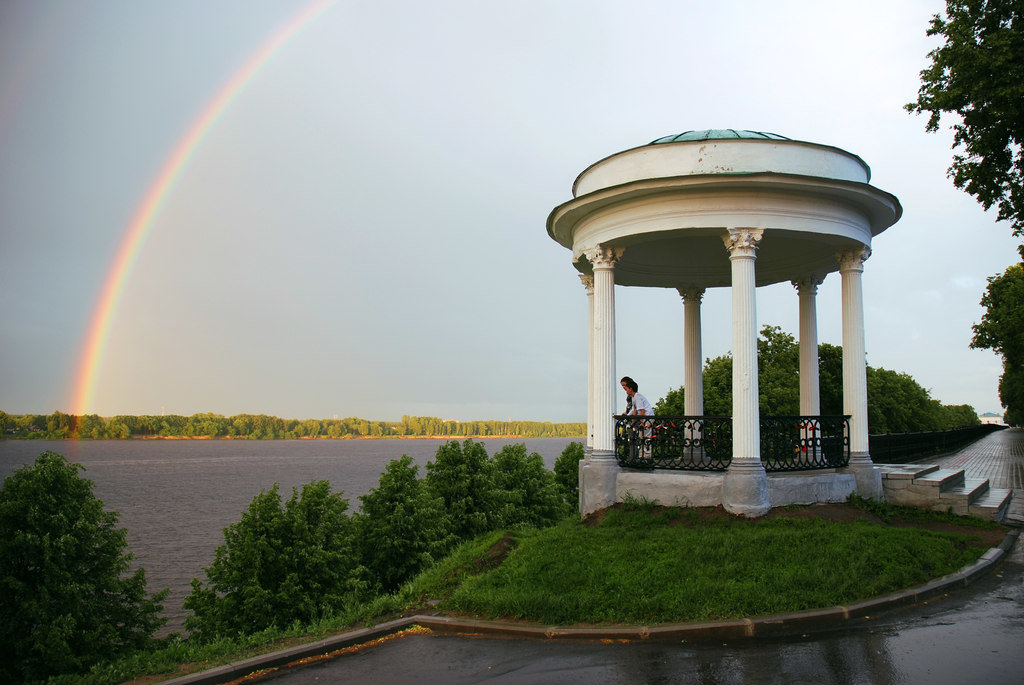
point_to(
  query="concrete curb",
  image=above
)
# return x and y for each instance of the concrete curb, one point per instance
(240, 669)
(768, 626)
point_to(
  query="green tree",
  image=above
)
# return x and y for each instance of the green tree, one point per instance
(210, 425)
(567, 471)
(778, 378)
(462, 476)
(778, 369)
(896, 402)
(830, 379)
(672, 404)
(119, 428)
(90, 427)
(65, 596)
(311, 428)
(526, 490)
(977, 75)
(1011, 394)
(1002, 331)
(1002, 326)
(718, 386)
(955, 416)
(402, 528)
(279, 564)
(58, 425)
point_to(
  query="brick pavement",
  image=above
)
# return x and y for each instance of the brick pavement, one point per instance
(998, 457)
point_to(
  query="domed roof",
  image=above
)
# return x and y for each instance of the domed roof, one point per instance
(664, 208)
(718, 134)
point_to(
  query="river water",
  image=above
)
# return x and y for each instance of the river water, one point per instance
(176, 496)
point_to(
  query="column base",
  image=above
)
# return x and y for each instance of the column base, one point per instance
(745, 490)
(597, 481)
(869, 476)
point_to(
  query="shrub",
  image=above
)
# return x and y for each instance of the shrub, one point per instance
(279, 565)
(65, 600)
(402, 527)
(462, 476)
(527, 490)
(567, 471)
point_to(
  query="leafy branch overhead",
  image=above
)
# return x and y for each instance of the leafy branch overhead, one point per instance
(977, 74)
(1002, 331)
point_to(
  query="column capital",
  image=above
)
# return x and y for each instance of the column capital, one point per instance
(690, 293)
(588, 282)
(604, 257)
(853, 260)
(742, 242)
(809, 283)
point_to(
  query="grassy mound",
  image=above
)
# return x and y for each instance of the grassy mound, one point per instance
(644, 565)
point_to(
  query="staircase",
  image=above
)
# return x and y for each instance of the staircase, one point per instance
(930, 487)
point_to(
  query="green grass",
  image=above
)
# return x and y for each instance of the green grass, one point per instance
(888, 512)
(640, 565)
(637, 568)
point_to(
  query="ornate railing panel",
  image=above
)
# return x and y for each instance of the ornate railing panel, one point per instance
(704, 443)
(691, 443)
(801, 443)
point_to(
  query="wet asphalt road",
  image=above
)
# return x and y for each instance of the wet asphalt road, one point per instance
(973, 636)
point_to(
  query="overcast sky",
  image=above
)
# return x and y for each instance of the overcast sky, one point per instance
(363, 231)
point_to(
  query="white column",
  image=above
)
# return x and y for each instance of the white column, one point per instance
(693, 382)
(855, 381)
(588, 283)
(597, 479)
(810, 394)
(745, 488)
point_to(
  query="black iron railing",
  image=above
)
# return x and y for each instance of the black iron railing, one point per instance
(704, 443)
(801, 443)
(690, 443)
(900, 448)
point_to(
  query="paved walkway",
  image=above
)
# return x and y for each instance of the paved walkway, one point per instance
(998, 457)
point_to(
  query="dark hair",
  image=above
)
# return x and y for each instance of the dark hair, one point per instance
(630, 383)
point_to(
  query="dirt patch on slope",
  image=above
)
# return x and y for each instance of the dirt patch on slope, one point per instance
(496, 554)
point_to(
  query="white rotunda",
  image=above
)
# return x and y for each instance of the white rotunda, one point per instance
(738, 209)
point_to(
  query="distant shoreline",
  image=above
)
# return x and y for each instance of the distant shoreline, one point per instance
(356, 437)
(59, 426)
(307, 437)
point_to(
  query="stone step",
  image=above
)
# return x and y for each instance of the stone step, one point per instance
(906, 471)
(930, 487)
(960, 497)
(993, 505)
(918, 485)
(942, 479)
(972, 488)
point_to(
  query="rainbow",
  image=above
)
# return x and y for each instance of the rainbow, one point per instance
(135, 234)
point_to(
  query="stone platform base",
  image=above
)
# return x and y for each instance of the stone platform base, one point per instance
(689, 489)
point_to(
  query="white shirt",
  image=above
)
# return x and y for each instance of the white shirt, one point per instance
(640, 402)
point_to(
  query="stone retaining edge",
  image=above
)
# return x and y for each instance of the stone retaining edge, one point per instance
(240, 669)
(769, 626)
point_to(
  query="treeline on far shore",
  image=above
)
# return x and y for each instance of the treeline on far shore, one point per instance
(61, 426)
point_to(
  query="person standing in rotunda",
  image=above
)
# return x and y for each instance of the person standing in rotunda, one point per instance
(636, 404)
(640, 431)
